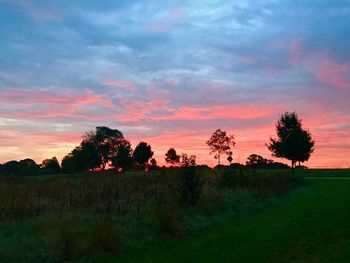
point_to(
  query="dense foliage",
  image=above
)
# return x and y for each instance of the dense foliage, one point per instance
(293, 143)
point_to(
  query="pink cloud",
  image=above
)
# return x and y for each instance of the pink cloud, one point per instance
(166, 22)
(295, 51)
(19, 96)
(40, 104)
(247, 59)
(333, 73)
(16, 145)
(127, 85)
(136, 111)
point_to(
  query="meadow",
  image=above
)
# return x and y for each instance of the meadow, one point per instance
(181, 215)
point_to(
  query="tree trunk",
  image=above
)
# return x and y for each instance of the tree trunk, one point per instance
(218, 159)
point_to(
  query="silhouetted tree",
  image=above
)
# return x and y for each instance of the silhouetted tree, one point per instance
(11, 167)
(106, 142)
(142, 153)
(220, 143)
(154, 165)
(123, 158)
(51, 165)
(153, 162)
(83, 157)
(305, 146)
(191, 181)
(22, 168)
(255, 160)
(293, 143)
(28, 167)
(171, 157)
(187, 161)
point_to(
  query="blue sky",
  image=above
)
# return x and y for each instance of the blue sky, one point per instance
(171, 72)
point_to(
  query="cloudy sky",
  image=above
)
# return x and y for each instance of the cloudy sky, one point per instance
(171, 72)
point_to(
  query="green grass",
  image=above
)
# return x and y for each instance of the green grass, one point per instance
(325, 172)
(311, 225)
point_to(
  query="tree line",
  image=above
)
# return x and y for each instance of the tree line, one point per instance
(105, 147)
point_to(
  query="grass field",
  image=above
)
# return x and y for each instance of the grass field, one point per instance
(310, 224)
(325, 172)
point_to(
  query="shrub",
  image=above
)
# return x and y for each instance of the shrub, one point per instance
(167, 221)
(66, 225)
(233, 179)
(211, 200)
(103, 236)
(191, 185)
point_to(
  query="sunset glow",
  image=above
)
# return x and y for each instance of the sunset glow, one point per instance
(171, 72)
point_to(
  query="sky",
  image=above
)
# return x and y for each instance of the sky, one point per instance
(171, 72)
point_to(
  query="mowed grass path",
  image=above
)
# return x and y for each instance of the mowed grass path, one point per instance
(312, 224)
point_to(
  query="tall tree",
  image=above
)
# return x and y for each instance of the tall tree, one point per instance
(142, 153)
(83, 157)
(220, 143)
(171, 157)
(123, 158)
(106, 142)
(293, 142)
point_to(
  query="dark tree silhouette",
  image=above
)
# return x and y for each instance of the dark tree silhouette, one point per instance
(293, 143)
(255, 160)
(142, 153)
(11, 167)
(153, 162)
(51, 165)
(123, 158)
(106, 142)
(171, 157)
(220, 143)
(22, 168)
(83, 157)
(29, 167)
(187, 161)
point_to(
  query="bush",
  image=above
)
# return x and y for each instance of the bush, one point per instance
(211, 200)
(191, 185)
(234, 179)
(67, 237)
(103, 237)
(167, 221)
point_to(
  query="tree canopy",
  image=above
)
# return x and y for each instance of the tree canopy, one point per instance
(171, 157)
(142, 153)
(187, 161)
(106, 141)
(83, 157)
(293, 142)
(51, 165)
(123, 157)
(220, 143)
(21, 168)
